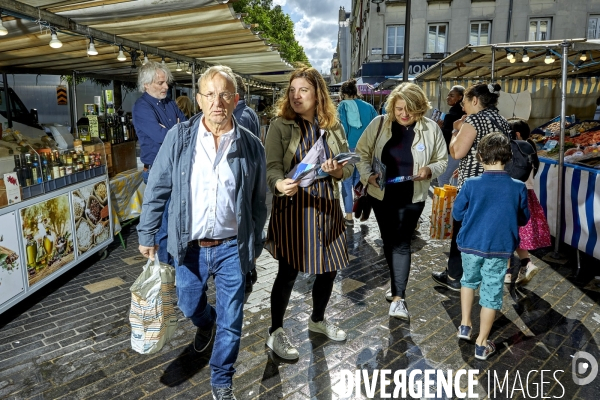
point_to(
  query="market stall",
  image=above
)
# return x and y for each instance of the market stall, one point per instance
(568, 88)
(59, 210)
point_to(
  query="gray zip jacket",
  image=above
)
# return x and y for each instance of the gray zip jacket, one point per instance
(170, 177)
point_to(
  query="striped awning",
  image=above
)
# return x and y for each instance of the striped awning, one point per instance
(475, 62)
(201, 32)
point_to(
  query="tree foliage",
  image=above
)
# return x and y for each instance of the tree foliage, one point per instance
(274, 25)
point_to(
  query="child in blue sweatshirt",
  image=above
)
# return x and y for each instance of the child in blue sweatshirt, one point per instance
(491, 207)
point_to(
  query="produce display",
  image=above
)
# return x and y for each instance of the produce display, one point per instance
(582, 142)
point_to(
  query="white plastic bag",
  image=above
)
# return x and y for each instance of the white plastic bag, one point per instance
(152, 315)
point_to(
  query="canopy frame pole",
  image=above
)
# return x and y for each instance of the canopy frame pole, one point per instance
(406, 55)
(561, 149)
(194, 88)
(440, 87)
(74, 101)
(7, 98)
(493, 63)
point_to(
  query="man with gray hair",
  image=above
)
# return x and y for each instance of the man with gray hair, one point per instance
(245, 115)
(216, 169)
(153, 115)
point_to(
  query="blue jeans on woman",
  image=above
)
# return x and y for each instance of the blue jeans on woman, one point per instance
(191, 277)
(161, 236)
(348, 190)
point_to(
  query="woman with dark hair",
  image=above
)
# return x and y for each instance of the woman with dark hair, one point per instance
(454, 98)
(355, 115)
(409, 145)
(306, 232)
(482, 118)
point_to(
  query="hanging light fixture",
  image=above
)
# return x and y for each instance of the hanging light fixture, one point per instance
(513, 60)
(121, 56)
(145, 59)
(583, 56)
(163, 60)
(92, 49)
(3, 30)
(525, 56)
(509, 55)
(54, 42)
(189, 70)
(549, 59)
(178, 68)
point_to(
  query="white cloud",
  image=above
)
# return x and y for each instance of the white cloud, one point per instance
(315, 27)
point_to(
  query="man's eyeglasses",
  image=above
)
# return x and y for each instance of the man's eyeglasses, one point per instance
(223, 95)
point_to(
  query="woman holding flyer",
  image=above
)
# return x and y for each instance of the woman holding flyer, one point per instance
(409, 150)
(306, 232)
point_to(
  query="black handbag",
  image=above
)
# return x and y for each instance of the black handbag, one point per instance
(362, 206)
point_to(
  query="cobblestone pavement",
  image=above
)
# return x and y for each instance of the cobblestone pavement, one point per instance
(65, 342)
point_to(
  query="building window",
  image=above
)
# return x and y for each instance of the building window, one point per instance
(539, 29)
(594, 27)
(395, 39)
(437, 35)
(480, 33)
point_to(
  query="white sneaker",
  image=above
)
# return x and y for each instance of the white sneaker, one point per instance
(508, 278)
(398, 309)
(280, 344)
(327, 328)
(527, 273)
(388, 295)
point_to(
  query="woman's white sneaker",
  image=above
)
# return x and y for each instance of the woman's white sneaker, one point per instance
(280, 344)
(398, 310)
(327, 328)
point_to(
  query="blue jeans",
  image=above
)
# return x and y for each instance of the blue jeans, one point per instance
(161, 236)
(223, 263)
(348, 190)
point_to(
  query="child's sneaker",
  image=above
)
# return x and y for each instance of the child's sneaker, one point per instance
(508, 278)
(527, 273)
(464, 332)
(483, 352)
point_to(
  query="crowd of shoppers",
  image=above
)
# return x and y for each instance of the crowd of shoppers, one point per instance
(216, 166)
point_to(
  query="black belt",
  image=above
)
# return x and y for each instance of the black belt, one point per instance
(210, 242)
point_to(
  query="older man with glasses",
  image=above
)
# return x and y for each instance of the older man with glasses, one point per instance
(215, 172)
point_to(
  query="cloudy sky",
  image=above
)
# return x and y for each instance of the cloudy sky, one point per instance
(316, 27)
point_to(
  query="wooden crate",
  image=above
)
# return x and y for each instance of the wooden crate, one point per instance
(122, 158)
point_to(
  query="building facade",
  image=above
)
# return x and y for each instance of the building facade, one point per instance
(441, 27)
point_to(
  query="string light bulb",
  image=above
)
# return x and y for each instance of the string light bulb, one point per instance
(509, 55)
(549, 59)
(121, 56)
(54, 42)
(525, 56)
(583, 56)
(178, 68)
(189, 70)
(513, 60)
(163, 60)
(3, 30)
(145, 59)
(92, 48)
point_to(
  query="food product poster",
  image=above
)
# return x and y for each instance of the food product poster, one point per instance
(47, 237)
(11, 270)
(90, 208)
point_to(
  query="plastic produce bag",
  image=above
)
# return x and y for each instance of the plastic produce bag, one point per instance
(441, 212)
(152, 315)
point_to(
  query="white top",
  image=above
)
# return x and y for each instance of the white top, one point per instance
(212, 188)
(529, 182)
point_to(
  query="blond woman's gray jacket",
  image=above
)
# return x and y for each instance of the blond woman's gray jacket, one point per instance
(281, 143)
(428, 150)
(170, 176)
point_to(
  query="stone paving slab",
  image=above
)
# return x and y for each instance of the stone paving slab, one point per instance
(67, 343)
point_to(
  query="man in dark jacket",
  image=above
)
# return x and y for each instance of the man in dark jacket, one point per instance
(215, 171)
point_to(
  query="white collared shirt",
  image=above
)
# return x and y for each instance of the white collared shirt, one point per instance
(212, 188)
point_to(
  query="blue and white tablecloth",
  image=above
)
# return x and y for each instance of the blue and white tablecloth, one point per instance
(580, 204)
